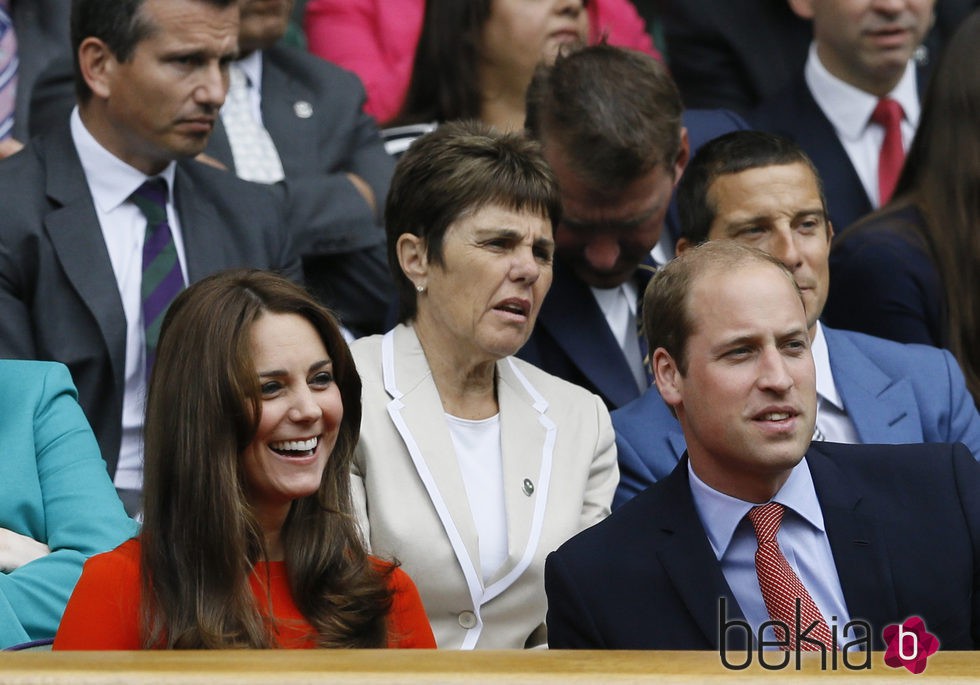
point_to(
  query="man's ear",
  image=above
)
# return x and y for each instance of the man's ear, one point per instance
(97, 64)
(802, 8)
(682, 244)
(668, 377)
(412, 258)
(683, 157)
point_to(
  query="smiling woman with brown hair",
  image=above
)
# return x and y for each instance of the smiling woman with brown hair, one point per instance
(473, 465)
(248, 539)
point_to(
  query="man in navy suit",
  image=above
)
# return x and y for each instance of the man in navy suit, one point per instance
(763, 191)
(862, 54)
(867, 535)
(611, 126)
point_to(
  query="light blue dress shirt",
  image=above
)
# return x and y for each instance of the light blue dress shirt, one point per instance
(802, 538)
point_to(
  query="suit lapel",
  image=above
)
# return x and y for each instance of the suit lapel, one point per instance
(416, 411)
(527, 442)
(197, 217)
(689, 561)
(883, 410)
(859, 552)
(576, 323)
(74, 231)
(288, 114)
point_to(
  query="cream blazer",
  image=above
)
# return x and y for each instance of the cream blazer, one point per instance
(560, 473)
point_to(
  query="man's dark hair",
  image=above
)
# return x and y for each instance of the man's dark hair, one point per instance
(615, 113)
(118, 23)
(731, 153)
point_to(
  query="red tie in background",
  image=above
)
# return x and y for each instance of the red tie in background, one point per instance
(888, 114)
(780, 585)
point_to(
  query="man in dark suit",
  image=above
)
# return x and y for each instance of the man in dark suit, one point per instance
(611, 126)
(71, 234)
(865, 536)
(859, 76)
(763, 191)
(333, 160)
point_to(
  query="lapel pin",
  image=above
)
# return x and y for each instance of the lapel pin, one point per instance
(528, 487)
(303, 109)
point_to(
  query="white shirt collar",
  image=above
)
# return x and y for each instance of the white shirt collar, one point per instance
(110, 180)
(720, 513)
(826, 388)
(848, 108)
(251, 66)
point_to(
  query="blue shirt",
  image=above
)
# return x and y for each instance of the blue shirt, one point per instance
(802, 538)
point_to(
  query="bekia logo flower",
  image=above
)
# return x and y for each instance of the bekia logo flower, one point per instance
(909, 644)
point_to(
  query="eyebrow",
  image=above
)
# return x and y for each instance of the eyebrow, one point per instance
(753, 338)
(315, 366)
(511, 234)
(615, 224)
(738, 222)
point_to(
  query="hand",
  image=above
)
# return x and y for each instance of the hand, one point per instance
(208, 159)
(9, 146)
(364, 189)
(17, 550)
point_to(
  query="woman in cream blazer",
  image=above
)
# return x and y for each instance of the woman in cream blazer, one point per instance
(474, 267)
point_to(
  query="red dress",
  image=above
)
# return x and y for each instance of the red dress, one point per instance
(103, 611)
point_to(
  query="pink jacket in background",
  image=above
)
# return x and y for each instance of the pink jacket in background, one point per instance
(379, 46)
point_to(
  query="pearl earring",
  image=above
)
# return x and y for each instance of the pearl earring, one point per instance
(420, 288)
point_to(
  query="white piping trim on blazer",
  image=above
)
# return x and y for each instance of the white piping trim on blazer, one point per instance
(478, 596)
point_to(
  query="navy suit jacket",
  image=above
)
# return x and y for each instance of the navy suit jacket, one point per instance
(59, 299)
(893, 393)
(903, 522)
(794, 113)
(571, 338)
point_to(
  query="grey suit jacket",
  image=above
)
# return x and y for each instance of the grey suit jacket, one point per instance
(559, 469)
(313, 111)
(42, 28)
(59, 299)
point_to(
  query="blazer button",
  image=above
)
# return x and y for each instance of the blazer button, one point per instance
(467, 619)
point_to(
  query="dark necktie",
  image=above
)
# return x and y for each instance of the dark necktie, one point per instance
(780, 585)
(162, 279)
(8, 70)
(888, 115)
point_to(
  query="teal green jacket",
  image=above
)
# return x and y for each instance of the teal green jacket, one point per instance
(54, 488)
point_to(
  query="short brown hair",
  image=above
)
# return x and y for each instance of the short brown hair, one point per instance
(615, 113)
(667, 320)
(460, 168)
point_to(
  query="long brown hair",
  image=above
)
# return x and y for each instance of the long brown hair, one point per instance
(200, 540)
(941, 178)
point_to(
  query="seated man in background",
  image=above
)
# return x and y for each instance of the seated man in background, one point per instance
(757, 532)
(290, 116)
(763, 191)
(106, 218)
(611, 125)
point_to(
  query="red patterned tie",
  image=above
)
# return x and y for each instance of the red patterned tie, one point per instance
(780, 585)
(888, 114)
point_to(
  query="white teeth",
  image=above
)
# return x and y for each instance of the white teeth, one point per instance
(775, 416)
(295, 445)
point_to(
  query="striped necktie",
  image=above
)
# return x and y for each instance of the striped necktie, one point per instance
(8, 70)
(162, 279)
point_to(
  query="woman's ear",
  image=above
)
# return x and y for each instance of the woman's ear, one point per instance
(413, 259)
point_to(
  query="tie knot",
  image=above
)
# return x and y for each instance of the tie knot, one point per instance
(766, 520)
(151, 198)
(887, 113)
